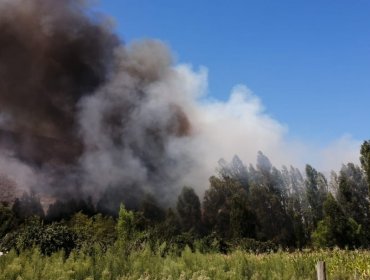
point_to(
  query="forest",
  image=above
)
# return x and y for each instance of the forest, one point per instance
(254, 222)
(254, 208)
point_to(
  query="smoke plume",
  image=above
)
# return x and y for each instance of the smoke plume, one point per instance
(79, 108)
(81, 112)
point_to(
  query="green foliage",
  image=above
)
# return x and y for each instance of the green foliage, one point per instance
(93, 231)
(219, 200)
(168, 230)
(145, 264)
(188, 207)
(64, 210)
(26, 206)
(50, 238)
(256, 209)
(112, 197)
(365, 160)
(316, 190)
(152, 212)
(271, 216)
(125, 226)
(255, 246)
(236, 170)
(336, 229)
(352, 196)
(8, 221)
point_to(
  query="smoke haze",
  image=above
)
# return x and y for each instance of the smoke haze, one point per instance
(81, 112)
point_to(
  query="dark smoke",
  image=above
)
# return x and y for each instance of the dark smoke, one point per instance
(78, 108)
(51, 55)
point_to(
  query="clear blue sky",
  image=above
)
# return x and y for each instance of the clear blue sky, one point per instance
(309, 61)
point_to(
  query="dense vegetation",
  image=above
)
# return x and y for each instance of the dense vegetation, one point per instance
(256, 209)
(148, 265)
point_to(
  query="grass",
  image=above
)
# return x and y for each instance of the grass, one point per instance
(144, 264)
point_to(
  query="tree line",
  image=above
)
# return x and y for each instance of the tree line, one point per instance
(255, 207)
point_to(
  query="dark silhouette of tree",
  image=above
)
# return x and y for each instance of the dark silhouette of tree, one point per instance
(64, 210)
(243, 221)
(219, 200)
(171, 227)
(295, 192)
(151, 210)
(252, 208)
(352, 195)
(236, 170)
(50, 238)
(26, 206)
(365, 161)
(273, 221)
(92, 231)
(188, 208)
(111, 199)
(336, 229)
(8, 221)
(316, 191)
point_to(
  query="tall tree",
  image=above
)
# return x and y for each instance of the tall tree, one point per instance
(365, 160)
(28, 205)
(218, 203)
(188, 208)
(151, 210)
(236, 170)
(352, 194)
(8, 222)
(273, 223)
(336, 229)
(316, 191)
(125, 226)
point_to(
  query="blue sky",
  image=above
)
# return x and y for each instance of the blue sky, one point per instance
(308, 61)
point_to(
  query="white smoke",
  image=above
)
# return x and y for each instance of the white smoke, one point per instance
(219, 129)
(241, 126)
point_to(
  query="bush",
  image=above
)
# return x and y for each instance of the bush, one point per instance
(49, 239)
(255, 246)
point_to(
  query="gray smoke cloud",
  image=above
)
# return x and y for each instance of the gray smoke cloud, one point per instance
(51, 55)
(80, 112)
(129, 123)
(79, 108)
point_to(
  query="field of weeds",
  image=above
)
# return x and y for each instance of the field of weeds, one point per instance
(144, 264)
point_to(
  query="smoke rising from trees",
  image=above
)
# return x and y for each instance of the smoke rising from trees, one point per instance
(80, 112)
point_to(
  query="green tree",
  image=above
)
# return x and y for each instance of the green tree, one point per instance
(56, 237)
(50, 238)
(365, 160)
(352, 194)
(109, 203)
(171, 226)
(226, 210)
(217, 204)
(64, 210)
(316, 191)
(125, 226)
(236, 170)
(243, 222)
(95, 230)
(336, 229)
(188, 208)
(273, 222)
(151, 210)
(28, 205)
(8, 221)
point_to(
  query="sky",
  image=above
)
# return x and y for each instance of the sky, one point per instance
(307, 61)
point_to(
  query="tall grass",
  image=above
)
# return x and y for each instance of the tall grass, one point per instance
(115, 264)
